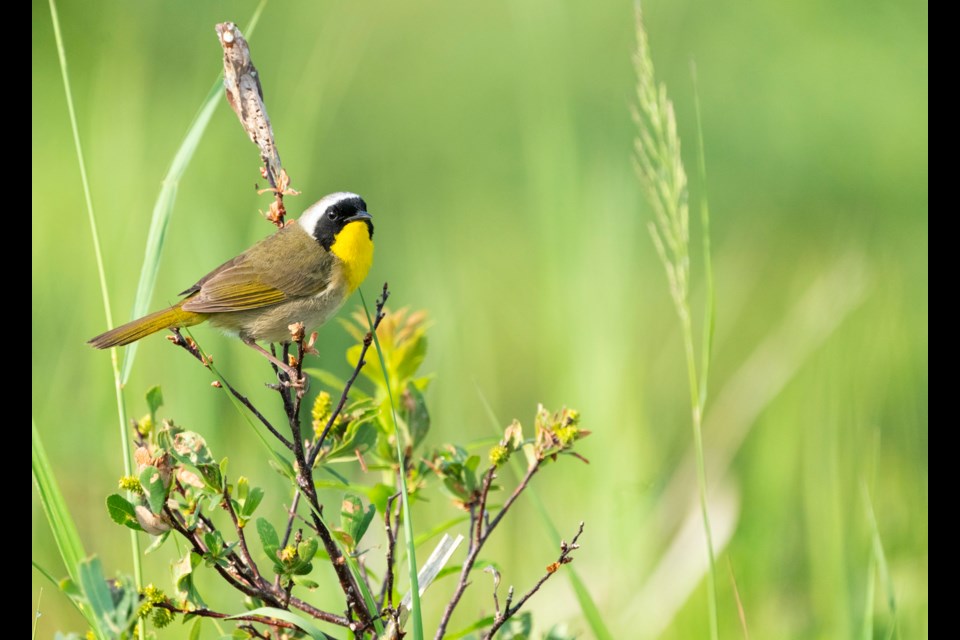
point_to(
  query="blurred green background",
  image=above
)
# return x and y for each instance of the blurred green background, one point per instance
(493, 144)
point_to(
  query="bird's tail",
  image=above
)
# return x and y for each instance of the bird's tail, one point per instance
(169, 318)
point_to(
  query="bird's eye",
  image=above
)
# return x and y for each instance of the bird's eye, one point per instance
(333, 215)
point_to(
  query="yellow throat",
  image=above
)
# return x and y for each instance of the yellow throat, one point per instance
(354, 247)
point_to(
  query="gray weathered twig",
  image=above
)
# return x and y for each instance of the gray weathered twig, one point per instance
(245, 96)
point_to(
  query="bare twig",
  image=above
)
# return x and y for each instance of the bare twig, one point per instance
(245, 96)
(262, 591)
(292, 409)
(244, 551)
(254, 632)
(292, 514)
(481, 534)
(238, 581)
(251, 575)
(509, 611)
(307, 488)
(386, 591)
(208, 613)
(496, 585)
(191, 347)
(367, 341)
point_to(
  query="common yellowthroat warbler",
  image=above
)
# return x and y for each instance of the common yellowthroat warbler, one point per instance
(302, 273)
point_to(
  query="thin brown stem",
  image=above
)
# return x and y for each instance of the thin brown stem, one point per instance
(238, 581)
(263, 591)
(386, 591)
(247, 573)
(244, 551)
(367, 341)
(292, 514)
(480, 536)
(208, 613)
(307, 488)
(501, 618)
(191, 347)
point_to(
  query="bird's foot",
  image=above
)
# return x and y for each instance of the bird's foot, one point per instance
(294, 379)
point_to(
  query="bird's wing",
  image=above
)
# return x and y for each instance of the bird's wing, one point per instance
(262, 276)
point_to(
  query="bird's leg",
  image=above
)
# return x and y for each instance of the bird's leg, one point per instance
(295, 380)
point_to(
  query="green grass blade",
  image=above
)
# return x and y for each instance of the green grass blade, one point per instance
(61, 523)
(104, 292)
(869, 598)
(163, 207)
(415, 612)
(591, 612)
(162, 211)
(710, 305)
(95, 589)
(56, 583)
(46, 574)
(879, 560)
(36, 614)
(663, 178)
(58, 516)
(61, 53)
(368, 598)
(433, 568)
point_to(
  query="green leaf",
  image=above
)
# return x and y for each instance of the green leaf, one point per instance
(242, 489)
(378, 494)
(195, 629)
(516, 628)
(94, 587)
(288, 616)
(153, 488)
(305, 582)
(253, 501)
(413, 411)
(307, 549)
(154, 400)
(157, 542)
(409, 356)
(345, 539)
(189, 447)
(268, 538)
(353, 518)
(479, 624)
(73, 591)
(591, 612)
(183, 581)
(121, 512)
(360, 436)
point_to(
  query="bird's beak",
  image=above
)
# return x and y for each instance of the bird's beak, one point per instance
(360, 215)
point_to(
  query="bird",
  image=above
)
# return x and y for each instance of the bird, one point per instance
(302, 273)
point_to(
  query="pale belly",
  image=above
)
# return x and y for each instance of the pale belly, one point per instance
(272, 324)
